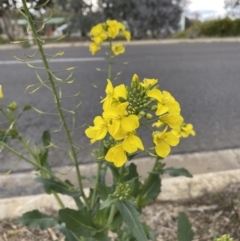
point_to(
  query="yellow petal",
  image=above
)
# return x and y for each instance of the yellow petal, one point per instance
(156, 94)
(173, 120)
(114, 127)
(132, 143)
(93, 48)
(130, 123)
(162, 149)
(127, 35)
(116, 155)
(120, 91)
(171, 139)
(1, 92)
(98, 120)
(162, 109)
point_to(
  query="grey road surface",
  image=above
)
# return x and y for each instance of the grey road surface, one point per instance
(203, 77)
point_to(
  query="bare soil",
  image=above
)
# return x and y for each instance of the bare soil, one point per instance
(212, 215)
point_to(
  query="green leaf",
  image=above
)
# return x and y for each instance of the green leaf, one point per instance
(176, 172)
(46, 138)
(108, 202)
(36, 219)
(185, 232)
(151, 188)
(53, 185)
(79, 222)
(67, 233)
(103, 191)
(149, 232)
(115, 172)
(117, 222)
(131, 219)
(27, 108)
(133, 179)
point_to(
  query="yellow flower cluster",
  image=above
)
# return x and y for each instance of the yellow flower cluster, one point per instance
(108, 30)
(1, 93)
(124, 111)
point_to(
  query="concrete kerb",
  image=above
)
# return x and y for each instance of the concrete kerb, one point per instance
(133, 42)
(213, 171)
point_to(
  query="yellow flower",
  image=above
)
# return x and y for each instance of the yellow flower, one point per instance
(186, 130)
(163, 141)
(98, 131)
(117, 155)
(127, 35)
(166, 102)
(173, 120)
(117, 119)
(94, 48)
(147, 82)
(113, 28)
(118, 48)
(113, 94)
(1, 93)
(132, 143)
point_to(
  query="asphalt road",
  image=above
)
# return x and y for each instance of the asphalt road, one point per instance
(203, 77)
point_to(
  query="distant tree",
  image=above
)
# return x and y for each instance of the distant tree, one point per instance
(155, 16)
(233, 7)
(83, 18)
(8, 13)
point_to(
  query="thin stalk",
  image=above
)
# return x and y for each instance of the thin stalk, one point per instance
(146, 126)
(101, 146)
(96, 184)
(34, 164)
(110, 61)
(111, 215)
(58, 200)
(58, 105)
(149, 179)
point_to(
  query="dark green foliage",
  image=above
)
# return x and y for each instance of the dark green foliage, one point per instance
(185, 232)
(79, 222)
(156, 16)
(130, 217)
(36, 219)
(52, 185)
(176, 172)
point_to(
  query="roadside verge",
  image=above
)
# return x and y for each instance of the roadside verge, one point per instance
(213, 171)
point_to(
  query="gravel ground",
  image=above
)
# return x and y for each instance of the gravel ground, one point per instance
(211, 215)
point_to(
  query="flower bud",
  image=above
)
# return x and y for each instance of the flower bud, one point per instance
(149, 116)
(12, 106)
(142, 113)
(154, 107)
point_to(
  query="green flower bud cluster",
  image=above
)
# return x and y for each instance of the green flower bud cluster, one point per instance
(138, 99)
(122, 191)
(224, 238)
(12, 106)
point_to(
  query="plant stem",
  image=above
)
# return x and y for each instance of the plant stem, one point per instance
(96, 184)
(149, 179)
(110, 60)
(58, 105)
(111, 215)
(34, 164)
(58, 200)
